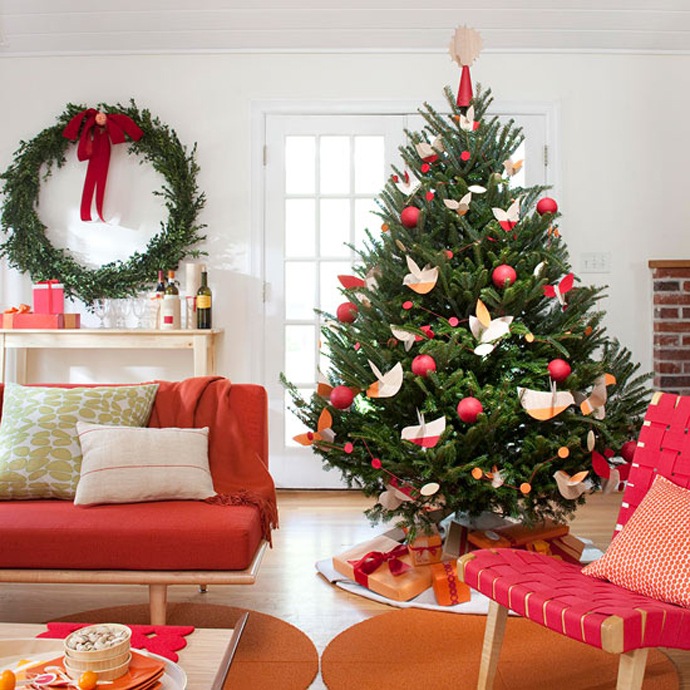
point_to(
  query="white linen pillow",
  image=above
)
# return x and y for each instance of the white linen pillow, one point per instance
(138, 464)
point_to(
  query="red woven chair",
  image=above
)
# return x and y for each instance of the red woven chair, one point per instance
(558, 596)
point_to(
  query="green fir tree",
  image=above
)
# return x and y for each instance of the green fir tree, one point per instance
(505, 460)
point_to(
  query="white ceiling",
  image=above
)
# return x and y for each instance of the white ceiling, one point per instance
(58, 27)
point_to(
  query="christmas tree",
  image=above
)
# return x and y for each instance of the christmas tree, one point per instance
(469, 367)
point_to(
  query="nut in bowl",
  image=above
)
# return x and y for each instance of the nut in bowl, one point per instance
(103, 648)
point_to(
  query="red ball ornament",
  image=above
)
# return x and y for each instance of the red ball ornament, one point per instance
(423, 364)
(469, 409)
(503, 276)
(627, 451)
(347, 312)
(409, 217)
(341, 397)
(546, 205)
(559, 369)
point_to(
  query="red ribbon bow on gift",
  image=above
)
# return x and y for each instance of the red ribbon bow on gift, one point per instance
(375, 559)
(98, 132)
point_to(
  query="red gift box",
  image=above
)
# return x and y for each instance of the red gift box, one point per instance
(49, 298)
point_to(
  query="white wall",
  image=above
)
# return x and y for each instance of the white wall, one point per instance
(624, 145)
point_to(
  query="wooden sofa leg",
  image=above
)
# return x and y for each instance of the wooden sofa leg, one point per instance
(491, 650)
(158, 603)
(631, 667)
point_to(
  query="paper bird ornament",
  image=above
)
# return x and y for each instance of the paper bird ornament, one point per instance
(559, 290)
(595, 403)
(323, 431)
(392, 498)
(423, 434)
(572, 487)
(460, 207)
(408, 185)
(323, 387)
(508, 219)
(405, 337)
(465, 46)
(513, 168)
(467, 122)
(386, 385)
(545, 405)
(429, 152)
(421, 280)
(487, 330)
(355, 283)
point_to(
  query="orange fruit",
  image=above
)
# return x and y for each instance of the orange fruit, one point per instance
(7, 680)
(88, 680)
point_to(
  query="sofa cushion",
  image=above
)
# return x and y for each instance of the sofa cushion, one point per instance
(124, 464)
(165, 535)
(40, 455)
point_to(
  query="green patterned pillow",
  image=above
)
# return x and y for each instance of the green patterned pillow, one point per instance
(40, 455)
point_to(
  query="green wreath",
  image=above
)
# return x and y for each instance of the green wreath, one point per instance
(28, 249)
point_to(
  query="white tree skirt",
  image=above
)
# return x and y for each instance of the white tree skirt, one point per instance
(426, 600)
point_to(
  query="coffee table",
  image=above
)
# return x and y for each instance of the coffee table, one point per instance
(205, 659)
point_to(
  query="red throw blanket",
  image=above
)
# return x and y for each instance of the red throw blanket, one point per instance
(237, 452)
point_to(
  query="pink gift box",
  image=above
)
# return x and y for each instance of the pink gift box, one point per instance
(49, 297)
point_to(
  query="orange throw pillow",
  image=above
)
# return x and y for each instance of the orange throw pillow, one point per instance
(651, 554)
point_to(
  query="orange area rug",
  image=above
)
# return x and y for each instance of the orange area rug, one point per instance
(271, 653)
(414, 648)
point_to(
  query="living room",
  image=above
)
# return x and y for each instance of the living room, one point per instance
(598, 89)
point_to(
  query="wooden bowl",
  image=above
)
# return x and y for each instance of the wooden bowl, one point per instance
(95, 643)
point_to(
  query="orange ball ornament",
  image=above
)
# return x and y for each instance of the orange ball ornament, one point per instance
(477, 473)
(525, 488)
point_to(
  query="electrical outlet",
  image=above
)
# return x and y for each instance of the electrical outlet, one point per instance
(595, 262)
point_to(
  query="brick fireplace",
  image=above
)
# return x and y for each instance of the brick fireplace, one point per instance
(671, 286)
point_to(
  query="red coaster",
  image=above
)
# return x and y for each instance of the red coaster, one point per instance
(164, 640)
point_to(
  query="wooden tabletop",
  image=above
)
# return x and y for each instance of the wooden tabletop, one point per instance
(200, 659)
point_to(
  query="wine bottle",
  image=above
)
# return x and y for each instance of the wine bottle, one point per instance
(159, 293)
(204, 303)
(170, 309)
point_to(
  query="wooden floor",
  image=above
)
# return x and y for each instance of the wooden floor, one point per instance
(314, 525)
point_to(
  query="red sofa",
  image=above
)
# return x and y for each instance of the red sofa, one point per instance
(218, 541)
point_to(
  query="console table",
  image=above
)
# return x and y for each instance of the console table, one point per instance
(201, 342)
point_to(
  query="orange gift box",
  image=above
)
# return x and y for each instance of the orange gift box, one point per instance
(448, 589)
(373, 564)
(426, 549)
(29, 320)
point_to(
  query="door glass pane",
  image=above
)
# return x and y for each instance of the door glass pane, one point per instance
(366, 220)
(300, 353)
(300, 168)
(300, 289)
(334, 226)
(334, 160)
(300, 227)
(369, 164)
(331, 296)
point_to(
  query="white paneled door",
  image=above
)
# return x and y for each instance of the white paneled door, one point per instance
(322, 173)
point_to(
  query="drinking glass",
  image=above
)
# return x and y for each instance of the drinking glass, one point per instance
(100, 310)
(139, 309)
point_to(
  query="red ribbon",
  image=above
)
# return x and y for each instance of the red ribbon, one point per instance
(98, 132)
(375, 559)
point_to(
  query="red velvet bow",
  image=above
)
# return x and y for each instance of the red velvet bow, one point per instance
(374, 559)
(99, 130)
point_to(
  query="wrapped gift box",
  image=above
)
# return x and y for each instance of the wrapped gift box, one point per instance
(49, 298)
(402, 587)
(568, 548)
(517, 535)
(426, 549)
(30, 320)
(448, 589)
